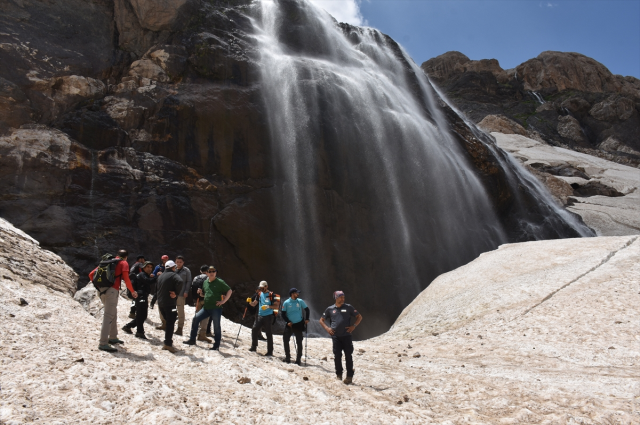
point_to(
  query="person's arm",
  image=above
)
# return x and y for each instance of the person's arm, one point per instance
(285, 317)
(326, 328)
(308, 312)
(255, 302)
(353, 327)
(225, 299)
(125, 276)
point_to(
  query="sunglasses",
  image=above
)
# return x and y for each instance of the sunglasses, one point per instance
(212, 271)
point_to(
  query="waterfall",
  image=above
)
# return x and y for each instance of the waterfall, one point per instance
(373, 191)
(538, 97)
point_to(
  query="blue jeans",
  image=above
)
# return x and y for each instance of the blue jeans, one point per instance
(214, 315)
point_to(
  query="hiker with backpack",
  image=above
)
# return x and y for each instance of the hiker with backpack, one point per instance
(142, 284)
(196, 285)
(133, 273)
(340, 328)
(292, 310)
(168, 287)
(185, 274)
(107, 278)
(216, 293)
(267, 303)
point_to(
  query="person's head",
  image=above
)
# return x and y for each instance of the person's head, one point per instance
(147, 267)
(164, 259)
(170, 265)
(212, 272)
(339, 297)
(264, 287)
(204, 268)
(140, 259)
(180, 261)
(294, 293)
(123, 254)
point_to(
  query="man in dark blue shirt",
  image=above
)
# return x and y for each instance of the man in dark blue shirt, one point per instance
(338, 316)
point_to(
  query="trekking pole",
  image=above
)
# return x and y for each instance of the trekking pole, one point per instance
(306, 343)
(238, 336)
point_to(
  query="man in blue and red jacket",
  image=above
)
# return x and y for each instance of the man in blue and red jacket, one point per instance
(109, 298)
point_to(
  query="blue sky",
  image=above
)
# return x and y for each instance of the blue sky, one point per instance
(511, 31)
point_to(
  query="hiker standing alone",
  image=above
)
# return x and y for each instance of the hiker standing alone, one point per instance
(339, 318)
(168, 286)
(185, 274)
(109, 298)
(292, 314)
(264, 317)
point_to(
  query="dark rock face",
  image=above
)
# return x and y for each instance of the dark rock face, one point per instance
(124, 125)
(584, 104)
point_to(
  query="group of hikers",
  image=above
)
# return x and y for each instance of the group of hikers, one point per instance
(171, 286)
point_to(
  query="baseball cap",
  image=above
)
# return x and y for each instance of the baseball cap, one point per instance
(170, 264)
(165, 257)
(263, 284)
(292, 290)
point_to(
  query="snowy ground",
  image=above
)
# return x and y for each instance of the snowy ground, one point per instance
(571, 358)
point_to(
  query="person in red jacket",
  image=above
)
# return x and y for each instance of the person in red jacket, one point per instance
(109, 298)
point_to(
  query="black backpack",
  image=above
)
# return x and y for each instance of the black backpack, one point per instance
(105, 275)
(198, 282)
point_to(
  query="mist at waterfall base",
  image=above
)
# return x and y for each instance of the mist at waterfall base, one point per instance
(375, 196)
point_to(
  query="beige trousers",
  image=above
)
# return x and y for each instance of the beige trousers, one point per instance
(181, 301)
(204, 322)
(110, 319)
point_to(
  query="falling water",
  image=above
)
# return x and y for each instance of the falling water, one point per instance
(538, 97)
(94, 171)
(357, 135)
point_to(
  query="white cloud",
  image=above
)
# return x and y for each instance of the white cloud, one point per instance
(343, 10)
(548, 4)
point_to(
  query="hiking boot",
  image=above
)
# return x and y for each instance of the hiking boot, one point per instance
(189, 342)
(215, 348)
(252, 348)
(203, 338)
(170, 348)
(132, 315)
(286, 360)
(348, 380)
(107, 348)
(161, 327)
(141, 336)
(116, 341)
(179, 332)
(339, 376)
(127, 329)
(209, 334)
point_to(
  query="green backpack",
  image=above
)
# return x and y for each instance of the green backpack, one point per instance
(105, 275)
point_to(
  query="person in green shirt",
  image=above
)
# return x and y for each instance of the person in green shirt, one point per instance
(215, 292)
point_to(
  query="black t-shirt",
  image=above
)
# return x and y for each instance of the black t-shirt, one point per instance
(340, 318)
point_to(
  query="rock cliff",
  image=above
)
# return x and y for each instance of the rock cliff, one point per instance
(566, 99)
(141, 124)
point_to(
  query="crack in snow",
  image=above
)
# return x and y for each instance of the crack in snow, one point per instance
(591, 270)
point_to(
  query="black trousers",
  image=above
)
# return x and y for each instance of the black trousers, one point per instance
(142, 310)
(340, 344)
(170, 315)
(262, 322)
(295, 329)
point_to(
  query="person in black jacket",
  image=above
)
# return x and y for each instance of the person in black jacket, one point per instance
(142, 284)
(167, 289)
(135, 271)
